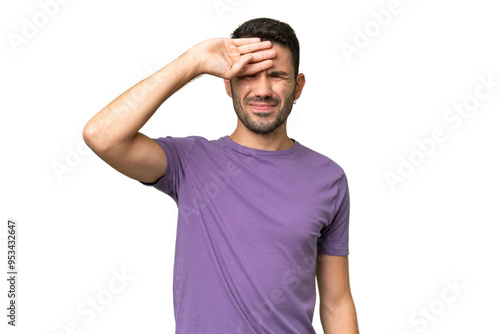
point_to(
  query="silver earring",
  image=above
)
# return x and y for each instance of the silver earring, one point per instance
(295, 102)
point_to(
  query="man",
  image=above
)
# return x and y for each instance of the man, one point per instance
(259, 214)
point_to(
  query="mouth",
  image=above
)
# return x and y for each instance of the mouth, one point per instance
(262, 108)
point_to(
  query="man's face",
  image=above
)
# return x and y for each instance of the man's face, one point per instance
(264, 100)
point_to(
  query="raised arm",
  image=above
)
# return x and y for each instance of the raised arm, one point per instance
(113, 133)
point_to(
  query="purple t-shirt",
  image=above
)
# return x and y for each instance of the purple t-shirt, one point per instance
(249, 228)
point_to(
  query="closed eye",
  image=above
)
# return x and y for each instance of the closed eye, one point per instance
(279, 74)
(274, 74)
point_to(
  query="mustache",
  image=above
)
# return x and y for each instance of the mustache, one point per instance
(258, 99)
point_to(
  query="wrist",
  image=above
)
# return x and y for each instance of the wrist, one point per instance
(193, 62)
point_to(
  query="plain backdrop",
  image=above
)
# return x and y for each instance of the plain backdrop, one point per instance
(423, 252)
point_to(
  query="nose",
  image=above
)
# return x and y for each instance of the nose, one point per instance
(262, 86)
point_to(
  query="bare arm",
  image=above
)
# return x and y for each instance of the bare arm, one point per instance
(337, 310)
(113, 133)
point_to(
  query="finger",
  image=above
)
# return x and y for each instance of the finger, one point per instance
(262, 55)
(248, 48)
(242, 41)
(256, 67)
(240, 65)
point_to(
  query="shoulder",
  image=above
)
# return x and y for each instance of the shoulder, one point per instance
(186, 145)
(322, 162)
(182, 143)
(187, 139)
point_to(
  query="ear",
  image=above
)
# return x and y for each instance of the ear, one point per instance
(227, 83)
(301, 81)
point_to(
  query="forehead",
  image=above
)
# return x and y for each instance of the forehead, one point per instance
(283, 59)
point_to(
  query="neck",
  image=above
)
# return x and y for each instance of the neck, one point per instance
(277, 140)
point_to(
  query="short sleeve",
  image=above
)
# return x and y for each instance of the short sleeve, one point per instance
(177, 151)
(334, 238)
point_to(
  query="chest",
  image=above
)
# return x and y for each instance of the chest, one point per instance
(279, 203)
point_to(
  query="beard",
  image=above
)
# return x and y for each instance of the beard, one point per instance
(262, 125)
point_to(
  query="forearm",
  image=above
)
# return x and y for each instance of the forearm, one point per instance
(340, 319)
(120, 120)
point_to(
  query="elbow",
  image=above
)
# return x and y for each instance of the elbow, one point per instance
(102, 143)
(93, 137)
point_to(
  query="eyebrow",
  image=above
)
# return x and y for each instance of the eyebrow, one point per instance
(280, 73)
